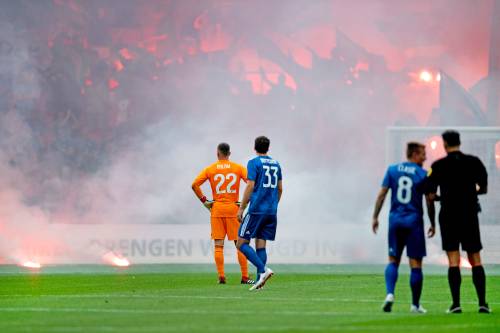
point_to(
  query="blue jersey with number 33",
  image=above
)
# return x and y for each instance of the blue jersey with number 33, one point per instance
(406, 181)
(265, 172)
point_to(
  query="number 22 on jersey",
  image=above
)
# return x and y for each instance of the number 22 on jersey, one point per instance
(220, 179)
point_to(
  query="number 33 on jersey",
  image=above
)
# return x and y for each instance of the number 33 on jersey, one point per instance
(224, 177)
(266, 172)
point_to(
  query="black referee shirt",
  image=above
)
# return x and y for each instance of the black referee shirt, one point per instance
(457, 175)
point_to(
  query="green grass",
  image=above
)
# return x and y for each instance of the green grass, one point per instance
(185, 298)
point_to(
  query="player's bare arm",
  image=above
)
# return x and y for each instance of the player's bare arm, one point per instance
(482, 189)
(280, 189)
(246, 199)
(378, 207)
(431, 213)
(196, 186)
(244, 177)
(482, 178)
(433, 196)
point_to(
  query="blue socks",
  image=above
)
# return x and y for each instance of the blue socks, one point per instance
(253, 257)
(262, 254)
(416, 281)
(391, 276)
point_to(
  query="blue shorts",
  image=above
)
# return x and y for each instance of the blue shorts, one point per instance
(258, 226)
(411, 237)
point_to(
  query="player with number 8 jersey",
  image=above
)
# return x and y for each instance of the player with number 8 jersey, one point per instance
(406, 181)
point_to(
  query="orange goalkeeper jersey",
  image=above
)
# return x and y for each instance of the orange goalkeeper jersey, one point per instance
(224, 177)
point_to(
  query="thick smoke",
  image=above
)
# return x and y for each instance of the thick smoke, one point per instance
(108, 110)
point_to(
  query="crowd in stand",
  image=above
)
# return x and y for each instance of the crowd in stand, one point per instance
(72, 97)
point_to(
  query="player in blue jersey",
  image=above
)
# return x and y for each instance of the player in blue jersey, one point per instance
(263, 191)
(406, 225)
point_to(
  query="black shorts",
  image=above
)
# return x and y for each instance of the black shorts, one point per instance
(460, 229)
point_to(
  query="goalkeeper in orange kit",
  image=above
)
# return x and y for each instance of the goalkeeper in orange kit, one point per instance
(224, 177)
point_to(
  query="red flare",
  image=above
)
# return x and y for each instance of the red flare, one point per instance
(497, 154)
(31, 264)
(126, 54)
(425, 76)
(118, 65)
(113, 84)
(435, 148)
(115, 260)
(464, 263)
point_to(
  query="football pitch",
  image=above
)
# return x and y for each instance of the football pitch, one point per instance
(186, 298)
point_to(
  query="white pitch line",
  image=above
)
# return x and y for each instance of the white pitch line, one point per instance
(275, 299)
(67, 329)
(222, 328)
(180, 312)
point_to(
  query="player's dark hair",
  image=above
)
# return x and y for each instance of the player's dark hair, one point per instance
(224, 148)
(413, 147)
(452, 138)
(262, 144)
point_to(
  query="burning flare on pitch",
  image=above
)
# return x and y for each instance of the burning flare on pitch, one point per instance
(464, 263)
(31, 264)
(115, 260)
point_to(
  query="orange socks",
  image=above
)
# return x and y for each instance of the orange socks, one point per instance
(219, 259)
(243, 264)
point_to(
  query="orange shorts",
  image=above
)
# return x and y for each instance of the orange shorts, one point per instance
(222, 226)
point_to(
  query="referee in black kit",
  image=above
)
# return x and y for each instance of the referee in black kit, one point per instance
(460, 178)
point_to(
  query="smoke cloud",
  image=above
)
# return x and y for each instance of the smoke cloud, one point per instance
(109, 109)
